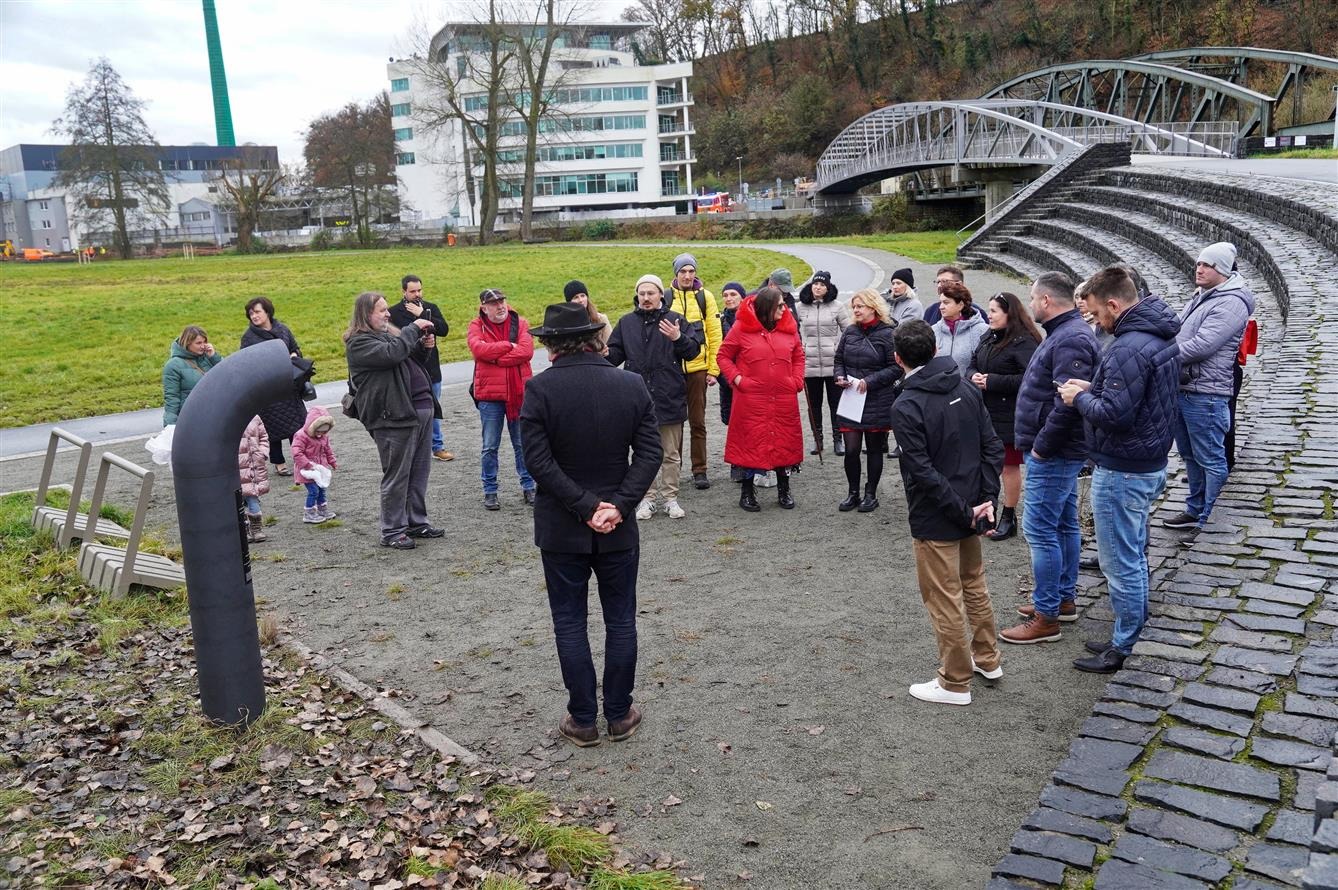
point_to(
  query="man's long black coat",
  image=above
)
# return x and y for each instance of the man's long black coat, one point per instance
(579, 420)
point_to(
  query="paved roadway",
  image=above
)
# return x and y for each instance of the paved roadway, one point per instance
(851, 267)
(1287, 168)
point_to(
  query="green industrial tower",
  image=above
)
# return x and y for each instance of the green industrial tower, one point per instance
(218, 78)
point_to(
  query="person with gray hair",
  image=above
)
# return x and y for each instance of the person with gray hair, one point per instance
(1211, 326)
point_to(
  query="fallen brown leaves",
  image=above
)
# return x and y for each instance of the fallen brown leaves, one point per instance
(109, 777)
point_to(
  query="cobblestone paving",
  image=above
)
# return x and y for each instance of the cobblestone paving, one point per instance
(1204, 762)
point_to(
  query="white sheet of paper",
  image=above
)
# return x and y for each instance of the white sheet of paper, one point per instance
(851, 406)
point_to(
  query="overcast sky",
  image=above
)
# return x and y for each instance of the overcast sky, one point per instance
(287, 60)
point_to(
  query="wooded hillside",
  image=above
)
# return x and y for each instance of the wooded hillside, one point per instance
(777, 89)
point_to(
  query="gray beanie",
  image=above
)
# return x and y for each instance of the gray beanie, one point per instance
(782, 279)
(684, 259)
(1221, 256)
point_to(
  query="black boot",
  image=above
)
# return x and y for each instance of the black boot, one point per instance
(817, 440)
(783, 496)
(748, 497)
(1006, 527)
(851, 501)
(838, 445)
(870, 502)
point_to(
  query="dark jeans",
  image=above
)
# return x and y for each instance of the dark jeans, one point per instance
(568, 578)
(275, 451)
(1237, 381)
(815, 387)
(854, 439)
(726, 399)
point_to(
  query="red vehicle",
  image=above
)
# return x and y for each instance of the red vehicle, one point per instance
(719, 202)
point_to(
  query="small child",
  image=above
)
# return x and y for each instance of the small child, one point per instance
(253, 463)
(314, 462)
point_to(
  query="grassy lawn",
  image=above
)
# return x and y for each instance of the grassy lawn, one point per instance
(939, 246)
(1314, 154)
(88, 340)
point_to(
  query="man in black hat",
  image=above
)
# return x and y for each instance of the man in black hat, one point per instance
(579, 420)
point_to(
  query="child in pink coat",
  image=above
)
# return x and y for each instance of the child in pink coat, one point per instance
(314, 463)
(253, 465)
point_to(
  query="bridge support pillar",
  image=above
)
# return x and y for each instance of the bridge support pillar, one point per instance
(997, 191)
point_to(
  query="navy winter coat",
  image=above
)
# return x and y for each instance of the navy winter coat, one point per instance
(1130, 410)
(866, 354)
(1003, 367)
(637, 341)
(950, 455)
(1042, 422)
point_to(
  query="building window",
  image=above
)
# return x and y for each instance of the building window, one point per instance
(601, 41)
(43, 205)
(46, 223)
(403, 134)
(404, 158)
(401, 109)
(399, 84)
(600, 94)
(585, 184)
(476, 103)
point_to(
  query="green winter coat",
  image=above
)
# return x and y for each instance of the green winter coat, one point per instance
(182, 371)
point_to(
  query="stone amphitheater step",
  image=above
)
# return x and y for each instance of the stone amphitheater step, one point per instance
(1107, 248)
(1051, 255)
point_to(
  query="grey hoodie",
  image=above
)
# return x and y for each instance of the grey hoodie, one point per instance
(1210, 331)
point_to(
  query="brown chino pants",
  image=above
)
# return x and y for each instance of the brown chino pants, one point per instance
(697, 418)
(952, 584)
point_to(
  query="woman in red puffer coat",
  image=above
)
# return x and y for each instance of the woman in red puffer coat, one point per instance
(763, 361)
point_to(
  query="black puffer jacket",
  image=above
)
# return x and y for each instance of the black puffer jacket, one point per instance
(950, 455)
(1003, 366)
(866, 354)
(638, 343)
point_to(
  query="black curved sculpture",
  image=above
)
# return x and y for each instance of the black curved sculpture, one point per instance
(212, 519)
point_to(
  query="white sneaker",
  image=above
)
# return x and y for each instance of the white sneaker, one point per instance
(645, 509)
(988, 675)
(932, 692)
(765, 480)
(674, 511)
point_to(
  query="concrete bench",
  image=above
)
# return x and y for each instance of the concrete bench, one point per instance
(114, 568)
(67, 524)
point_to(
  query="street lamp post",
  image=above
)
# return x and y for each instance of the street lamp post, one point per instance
(739, 158)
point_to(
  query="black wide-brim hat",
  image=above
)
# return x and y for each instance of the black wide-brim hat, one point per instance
(562, 319)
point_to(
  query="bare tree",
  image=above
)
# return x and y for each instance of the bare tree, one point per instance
(472, 93)
(111, 165)
(249, 184)
(353, 150)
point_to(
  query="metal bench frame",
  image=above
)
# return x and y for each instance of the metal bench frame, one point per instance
(114, 568)
(70, 524)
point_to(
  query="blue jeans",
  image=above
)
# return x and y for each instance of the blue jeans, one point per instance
(252, 504)
(493, 415)
(1050, 525)
(568, 578)
(315, 494)
(1120, 506)
(1200, 437)
(438, 443)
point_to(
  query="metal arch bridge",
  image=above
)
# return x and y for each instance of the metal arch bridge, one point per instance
(1147, 99)
(918, 135)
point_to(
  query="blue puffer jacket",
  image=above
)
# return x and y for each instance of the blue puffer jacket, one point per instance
(1130, 410)
(1042, 422)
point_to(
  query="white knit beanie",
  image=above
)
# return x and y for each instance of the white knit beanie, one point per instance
(1221, 256)
(653, 279)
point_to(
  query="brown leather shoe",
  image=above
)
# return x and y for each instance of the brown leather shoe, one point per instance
(443, 454)
(581, 736)
(1037, 629)
(1068, 611)
(622, 729)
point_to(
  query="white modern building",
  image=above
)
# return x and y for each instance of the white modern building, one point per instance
(617, 141)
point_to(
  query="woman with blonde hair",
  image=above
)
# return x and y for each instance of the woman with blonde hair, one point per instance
(864, 360)
(191, 356)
